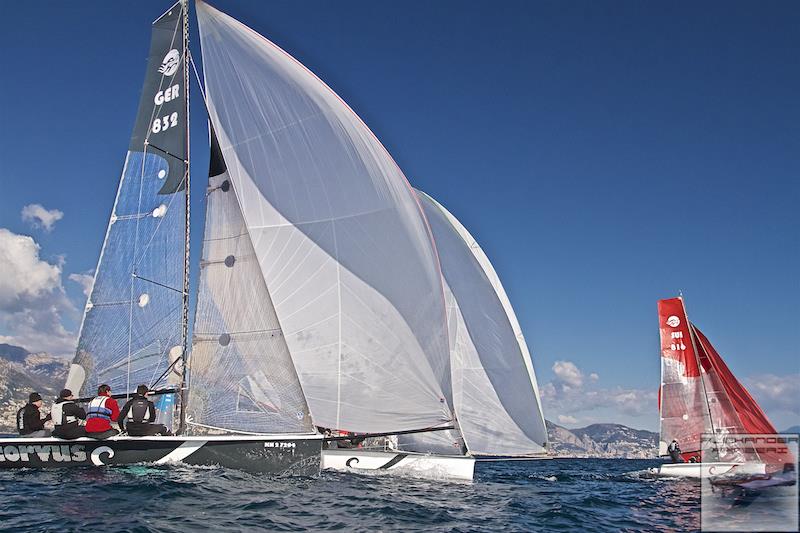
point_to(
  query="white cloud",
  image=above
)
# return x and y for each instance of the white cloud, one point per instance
(84, 280)
(23, 276)
(570, 396)
(32, 298)
(39, 217)
(568, 374)
(778, 393)
(566, 419)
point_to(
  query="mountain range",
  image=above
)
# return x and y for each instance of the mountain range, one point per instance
(602, 440)
(22, 372)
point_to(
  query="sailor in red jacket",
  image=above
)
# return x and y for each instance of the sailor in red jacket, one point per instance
(102, 410)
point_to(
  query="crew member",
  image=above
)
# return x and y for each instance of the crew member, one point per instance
(67, 416)
(674, 451)
(102, 410)
(139, 414)
(29, 419)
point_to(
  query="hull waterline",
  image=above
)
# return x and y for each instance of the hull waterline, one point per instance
(456, 467)
(263, 454)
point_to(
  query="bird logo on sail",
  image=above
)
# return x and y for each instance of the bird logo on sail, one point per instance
(170, 63)
(673, 321)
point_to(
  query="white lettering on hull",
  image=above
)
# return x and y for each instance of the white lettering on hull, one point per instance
(46, 452)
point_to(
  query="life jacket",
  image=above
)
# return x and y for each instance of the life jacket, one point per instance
(60, 418)
(97, 409)
(139, 411)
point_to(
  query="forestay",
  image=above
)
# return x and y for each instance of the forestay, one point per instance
(133, 328)
(339, 235)
(495, 393)
(241, 376)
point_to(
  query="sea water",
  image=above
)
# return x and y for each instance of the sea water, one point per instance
(549, 495)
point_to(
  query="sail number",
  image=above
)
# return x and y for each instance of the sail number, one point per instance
(165, 123)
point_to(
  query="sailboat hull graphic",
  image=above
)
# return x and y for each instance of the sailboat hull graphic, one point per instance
(409, 463)
(707, 470)
(262, 454)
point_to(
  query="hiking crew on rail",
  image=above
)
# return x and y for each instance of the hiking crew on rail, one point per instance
(29, 419)
(67, 416)
(102, 410)
(138, 416)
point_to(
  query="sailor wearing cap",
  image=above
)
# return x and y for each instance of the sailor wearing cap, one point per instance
(67, 416)
(29, 419)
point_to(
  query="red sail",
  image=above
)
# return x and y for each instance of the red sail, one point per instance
(750, 416)
(684, 414)
(734, 411)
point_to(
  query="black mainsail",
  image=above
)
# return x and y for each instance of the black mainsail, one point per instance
(134, 326)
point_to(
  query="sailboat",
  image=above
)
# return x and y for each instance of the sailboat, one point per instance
(705, 408)
(320, 300)
(495, 395)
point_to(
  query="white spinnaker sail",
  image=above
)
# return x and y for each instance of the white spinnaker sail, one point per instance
(495, 394)
(341, 240)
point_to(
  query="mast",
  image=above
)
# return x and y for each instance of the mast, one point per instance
(185, 317)
(700, 369)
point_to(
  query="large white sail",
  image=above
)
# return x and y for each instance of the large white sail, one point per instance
(241, 374)
(495, 394)
(134, 326)
(339, 235)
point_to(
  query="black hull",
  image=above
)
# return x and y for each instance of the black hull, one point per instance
(273, 454)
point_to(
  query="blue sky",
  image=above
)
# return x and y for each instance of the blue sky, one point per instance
(605, 154)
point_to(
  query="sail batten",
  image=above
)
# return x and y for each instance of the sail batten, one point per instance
(339, 236)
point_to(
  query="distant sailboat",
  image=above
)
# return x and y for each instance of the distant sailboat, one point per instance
(702, 405)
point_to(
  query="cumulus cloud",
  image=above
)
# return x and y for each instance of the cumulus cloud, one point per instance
(570, 394)
(85, 281)
(39, 217)
(566, 419)
(568, 374)
(32, 298)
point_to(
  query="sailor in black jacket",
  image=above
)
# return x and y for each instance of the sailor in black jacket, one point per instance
(138, 414)
(29, 419)
(67, 416)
